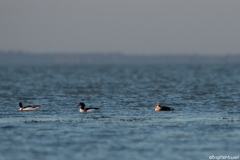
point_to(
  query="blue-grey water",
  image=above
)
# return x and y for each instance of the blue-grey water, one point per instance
(205, 122)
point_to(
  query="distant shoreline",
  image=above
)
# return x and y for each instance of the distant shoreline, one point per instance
(21, 58)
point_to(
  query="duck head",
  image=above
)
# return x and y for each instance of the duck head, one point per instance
(20, 105)
(81, 104)
(157, 107)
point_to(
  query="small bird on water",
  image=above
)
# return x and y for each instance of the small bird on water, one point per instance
(158, 107)
(83, 109)
(28, 107)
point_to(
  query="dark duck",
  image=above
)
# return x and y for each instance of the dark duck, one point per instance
(158, 107)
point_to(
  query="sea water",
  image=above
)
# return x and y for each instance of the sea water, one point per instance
(205, 122)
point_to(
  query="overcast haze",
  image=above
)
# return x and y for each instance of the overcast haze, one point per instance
(127, 26)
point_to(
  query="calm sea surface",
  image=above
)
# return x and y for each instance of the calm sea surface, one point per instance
(205, 122)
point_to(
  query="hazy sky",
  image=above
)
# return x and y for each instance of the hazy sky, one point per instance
(127, 26)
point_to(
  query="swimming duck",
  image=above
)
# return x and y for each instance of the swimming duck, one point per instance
(158, 107)
(28, 107)
(83, 109)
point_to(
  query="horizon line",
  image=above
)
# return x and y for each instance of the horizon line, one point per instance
(121, 53)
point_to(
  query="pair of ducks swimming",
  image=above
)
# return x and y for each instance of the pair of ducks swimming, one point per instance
(34, 107)
(158, 107)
